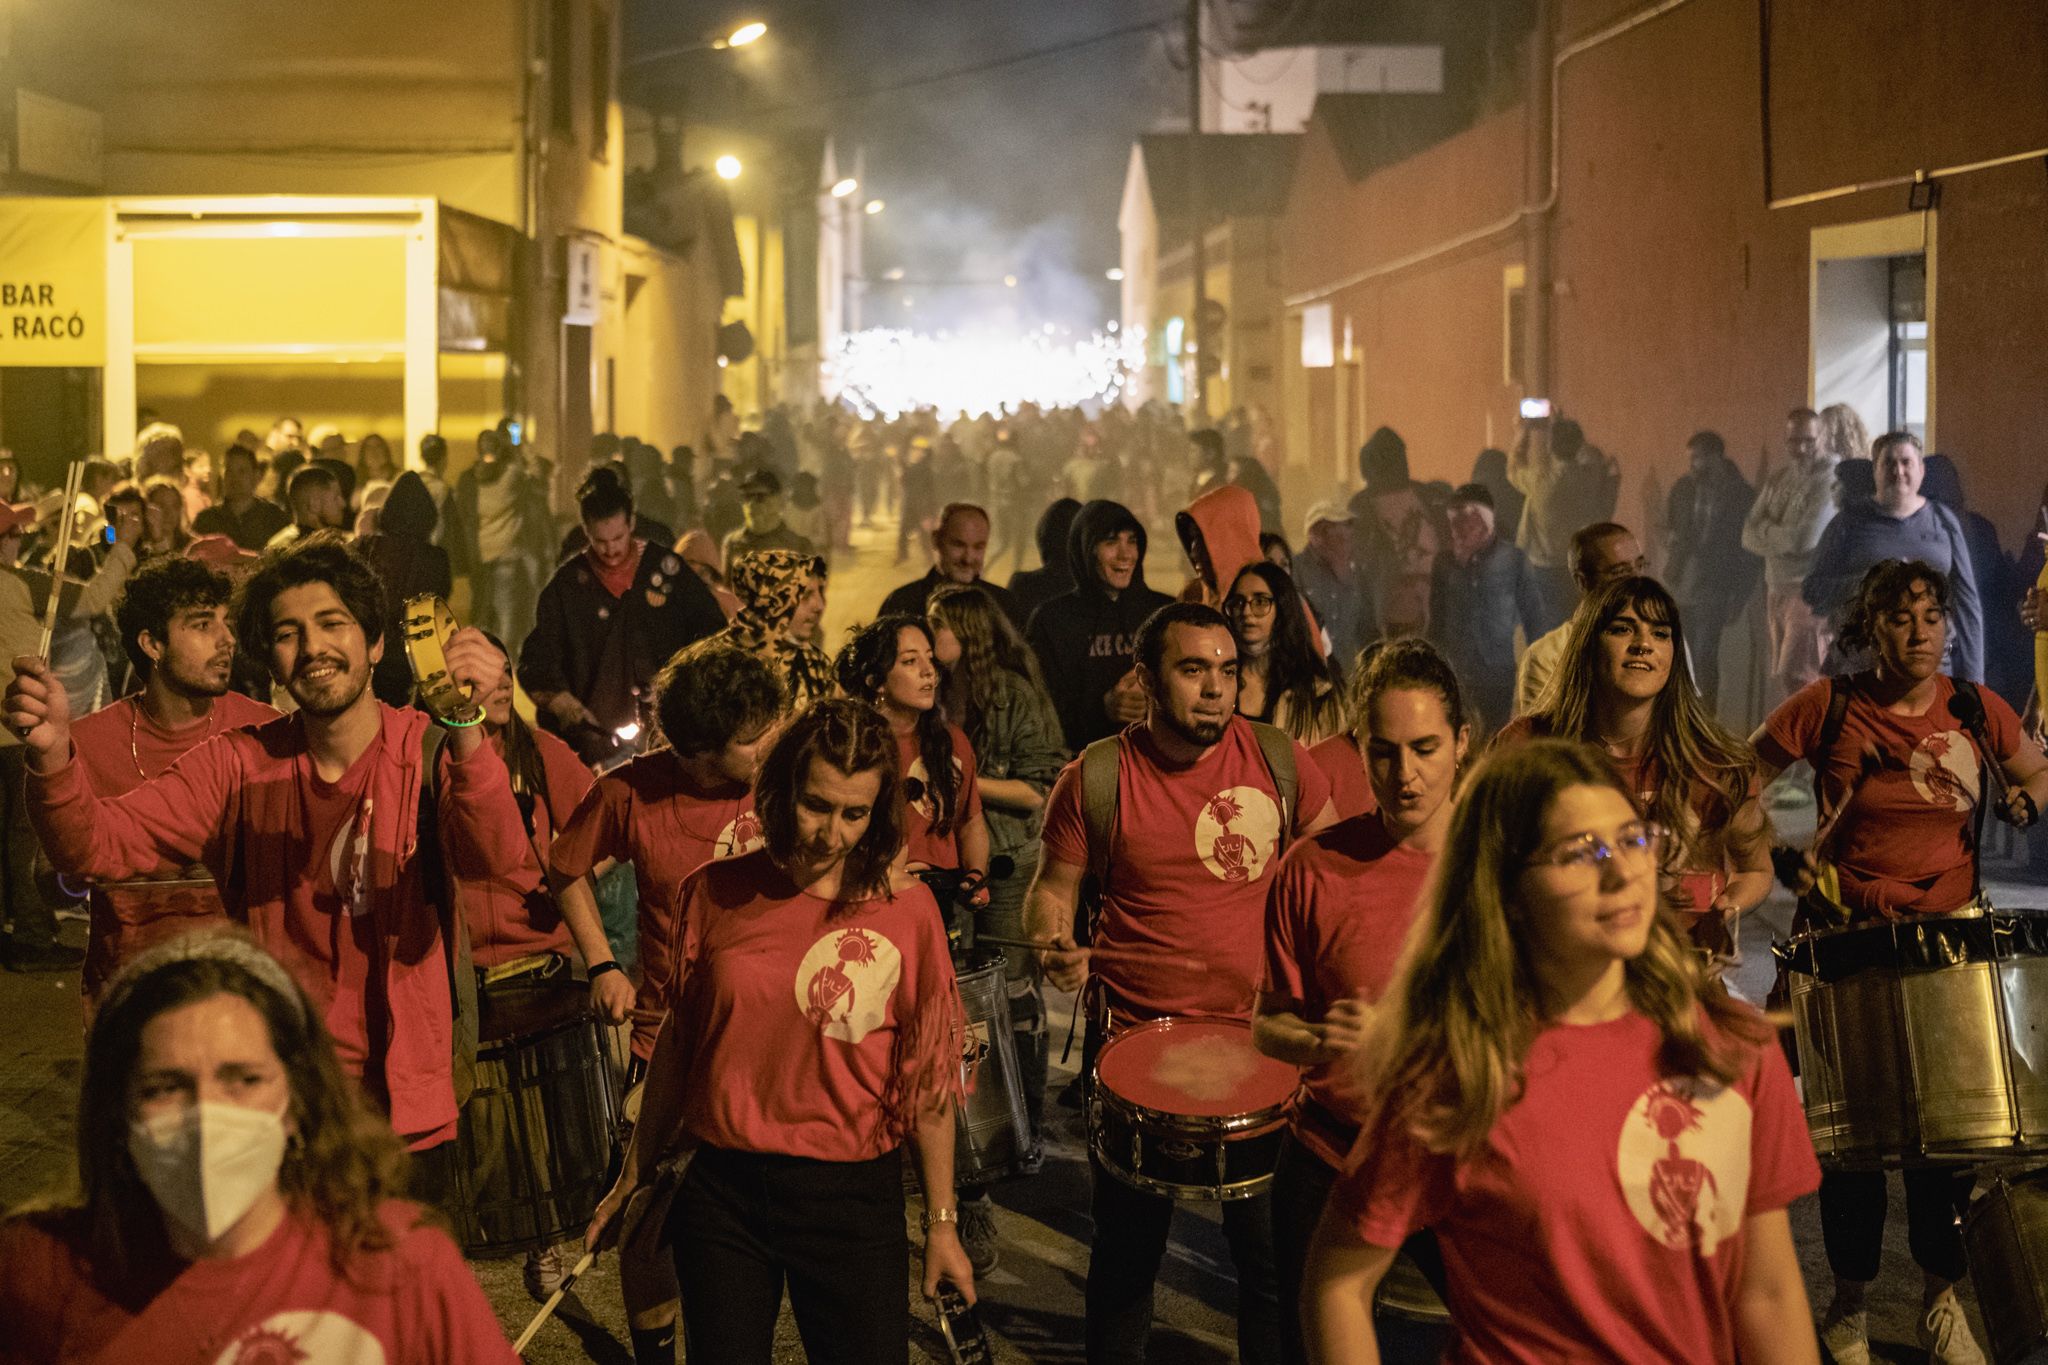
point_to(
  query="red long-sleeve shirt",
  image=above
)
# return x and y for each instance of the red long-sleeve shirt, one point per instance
(327, 876)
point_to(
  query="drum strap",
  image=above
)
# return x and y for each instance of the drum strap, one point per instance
(1986, 756)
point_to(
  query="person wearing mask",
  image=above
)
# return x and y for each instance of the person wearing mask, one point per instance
(1568, 484)
(1282, 677)
(312, 821)
(1901, 844)
(782, 600)
(606, 622)
(1205, 805)
(1031, 589)
(1793, 508)
(1085, 638)
(1337, 917)
(241, 515)
(1548, 1046)
(409, 564)
(173, 620)
(1899, 523)
(1706, 567)
(31, 942)
(1481, 591)
(1327, 575)
(1602, 553)
(763, 527)
(795, 1116)
(959, 549)
(236, 1199)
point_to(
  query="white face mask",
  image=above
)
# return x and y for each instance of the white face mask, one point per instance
(208, 1165)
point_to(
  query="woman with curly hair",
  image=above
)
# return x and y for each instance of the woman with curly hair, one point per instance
(1842, 433)
(1604, 1144)
(1624, 686)
(782, 600)
(890, 665)
(1282, 676)
(813, 1031)
(238, 1199)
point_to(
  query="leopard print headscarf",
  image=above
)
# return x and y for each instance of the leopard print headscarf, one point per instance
(769, 584)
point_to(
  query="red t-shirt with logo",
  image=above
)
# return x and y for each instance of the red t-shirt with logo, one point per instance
(1336, 920)
(333, 906)
(120, 747)
(1190, 859)
(415, 1303)
(1903, 844)
(1603, 1220)
(806, 1030)
(649, 813)
(920, 844)
(511, 913)
(1341, 762)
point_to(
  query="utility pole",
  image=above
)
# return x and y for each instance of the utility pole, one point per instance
(1198, 261)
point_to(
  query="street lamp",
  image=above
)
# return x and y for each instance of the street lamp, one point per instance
(845, 188)
(727, 166)
(741, 36)
(1115, 272)
(874, 206)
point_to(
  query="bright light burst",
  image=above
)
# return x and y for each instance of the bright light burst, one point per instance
(888, 371)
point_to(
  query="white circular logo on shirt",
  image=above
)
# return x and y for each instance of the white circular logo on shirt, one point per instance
(844, 983)
(1236, 833)
(304, 1337)
(742, 834)
(1684, 1163)
(1944, 770)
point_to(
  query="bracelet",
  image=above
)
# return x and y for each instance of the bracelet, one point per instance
(935, 1216)
(451, 723)
(598, 969)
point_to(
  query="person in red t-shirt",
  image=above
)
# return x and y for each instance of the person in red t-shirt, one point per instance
(239, 1201)
(311, 824)
(1604, 1145)
(1336, 918)
(815, 1028)
(1623, 687)
(1199, 825)
(889, 663)
(667, 813)
(1900, 789)
(173, 619)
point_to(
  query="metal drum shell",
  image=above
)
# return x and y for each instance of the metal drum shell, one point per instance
(992, 1129)
(2005, 1234)
(1924, 1040)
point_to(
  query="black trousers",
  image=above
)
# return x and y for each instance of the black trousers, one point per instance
(1853, 1205)
(747, 1223)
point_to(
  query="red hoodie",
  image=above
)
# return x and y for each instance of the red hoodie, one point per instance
(351, 921)
(1226, 520)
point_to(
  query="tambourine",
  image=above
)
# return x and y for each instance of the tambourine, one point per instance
(428, 624)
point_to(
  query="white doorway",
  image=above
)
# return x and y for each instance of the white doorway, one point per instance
(1872, 321)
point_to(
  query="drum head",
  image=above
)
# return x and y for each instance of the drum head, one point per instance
(1202, 1068)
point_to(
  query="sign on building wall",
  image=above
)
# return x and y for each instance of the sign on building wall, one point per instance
(53, 282)
(583, 304)
(1318, 341)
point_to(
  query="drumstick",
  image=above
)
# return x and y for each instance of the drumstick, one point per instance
(1192, 964)
(554, 1299)
(60, 559)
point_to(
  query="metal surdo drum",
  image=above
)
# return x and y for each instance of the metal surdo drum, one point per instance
(1924, 1039)
(535, 1140)
(2005, 1233)
(993, 1131)
(1187, 1108)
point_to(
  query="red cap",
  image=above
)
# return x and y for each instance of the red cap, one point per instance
(219, 551)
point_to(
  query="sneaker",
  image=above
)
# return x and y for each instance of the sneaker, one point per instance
(978, 1234)
(543, 1273)
(1847, 1337)
(41, 957)
(1946, 1334)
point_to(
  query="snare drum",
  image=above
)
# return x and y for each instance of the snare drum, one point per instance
(535, 1139)
(1924, 1039)
(1189, 1109)
(2005, 1233)
(993, 1131)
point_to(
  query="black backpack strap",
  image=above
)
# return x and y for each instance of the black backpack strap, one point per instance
(1276, 746)
(1973, 722)
(1830, 729)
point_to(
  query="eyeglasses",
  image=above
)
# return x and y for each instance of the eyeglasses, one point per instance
(1258, 604)
(1588, 853)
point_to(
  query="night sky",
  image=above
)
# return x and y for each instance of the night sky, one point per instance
(1017, 170)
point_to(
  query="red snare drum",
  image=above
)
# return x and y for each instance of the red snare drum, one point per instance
(1188, 1108)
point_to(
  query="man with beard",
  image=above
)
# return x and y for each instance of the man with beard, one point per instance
(607, 621)
(311, 824)
(174, 625)
(1204, 803)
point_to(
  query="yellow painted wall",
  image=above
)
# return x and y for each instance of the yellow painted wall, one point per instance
(210, 403)
(236, 292)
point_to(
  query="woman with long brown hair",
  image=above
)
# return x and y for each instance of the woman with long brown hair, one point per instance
(238, 1199)
(814, 1030)
(1604, 1145)
(1282, 676)
(1624, 686)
